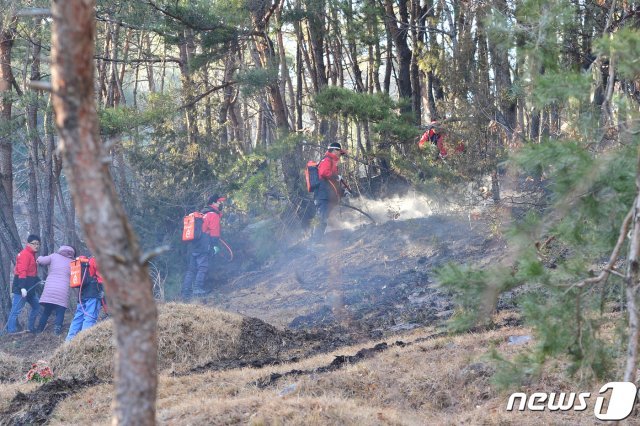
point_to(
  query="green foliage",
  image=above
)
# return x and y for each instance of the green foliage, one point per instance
(254, 80)
(590, 191)
(123, 119)
(565, 329)
(557, 86)
(624, 49)
(337, 101)
(263, 243)
(475, 291)
(250, 188)
(397, 128)
(253, 177)
(592, 194)
(293, 15)
(376, 108)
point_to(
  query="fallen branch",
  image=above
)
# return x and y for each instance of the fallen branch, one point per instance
(359, 211)
(608, 269)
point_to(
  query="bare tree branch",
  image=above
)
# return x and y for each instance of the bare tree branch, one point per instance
(608, 269)
(206, 93)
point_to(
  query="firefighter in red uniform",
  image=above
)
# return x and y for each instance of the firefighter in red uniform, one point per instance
(201, 250)
(329, 192)
(436, 135)
(25, 280)
(90, 301)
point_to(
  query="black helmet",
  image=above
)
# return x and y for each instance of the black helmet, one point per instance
(215, 198)
(335, 145)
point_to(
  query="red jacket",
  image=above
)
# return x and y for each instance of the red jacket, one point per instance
(93, 270)
(26, 266)
(435, 138)
(329, 187)
(328, 167)
(211, 222)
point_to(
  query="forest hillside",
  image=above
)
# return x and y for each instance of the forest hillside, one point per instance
(323, 174)
(369, 345)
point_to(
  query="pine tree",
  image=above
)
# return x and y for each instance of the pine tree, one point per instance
(569, 268)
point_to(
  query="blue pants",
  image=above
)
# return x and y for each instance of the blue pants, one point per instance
(86, 316)
(323, 210)
(17, 304)
(196, 274)
(48, 308)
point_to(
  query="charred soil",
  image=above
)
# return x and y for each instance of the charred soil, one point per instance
(353, 287)
(366, 283)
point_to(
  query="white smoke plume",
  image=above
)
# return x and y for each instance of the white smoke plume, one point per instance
(412, 205)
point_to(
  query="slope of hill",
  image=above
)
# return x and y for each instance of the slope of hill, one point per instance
(366, 287)
(372, 280)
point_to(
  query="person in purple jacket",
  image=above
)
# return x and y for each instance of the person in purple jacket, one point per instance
(55, 296)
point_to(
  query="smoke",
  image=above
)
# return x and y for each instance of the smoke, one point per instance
(412, 205)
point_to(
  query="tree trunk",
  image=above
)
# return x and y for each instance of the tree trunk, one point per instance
(108, 232)
(102, 65)
(68, 213)
(403, 53)
(299, 76)
(150, 75)
(229, 69)
(49, 189)
(34, 141)
(316, 25)
(416, 90)
(375, 56)
(388, 67)
(187, 49)
(208, 121)
(10, 242)
(9, 237)
(633, 288)
(7, 36)
(353, 49)
(5, 276)
(500, 60)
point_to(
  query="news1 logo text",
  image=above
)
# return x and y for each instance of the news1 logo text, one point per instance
(620, 402)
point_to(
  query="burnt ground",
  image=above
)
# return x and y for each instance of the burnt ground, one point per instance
(359, 284)
(367, 283)
(31, 346)
(36, 407)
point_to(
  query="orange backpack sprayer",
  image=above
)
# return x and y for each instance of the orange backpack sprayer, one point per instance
(311, 176)
(79, 271)
(192, 226)
(80, 275)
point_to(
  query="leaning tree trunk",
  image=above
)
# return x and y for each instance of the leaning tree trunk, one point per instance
(108, 232)
(398, 29)
(7, 36)
(49, 188)
(633, 288)
(34, 141)
(8, 231)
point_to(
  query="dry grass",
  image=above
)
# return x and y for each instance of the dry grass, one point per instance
(266, 410)
(9, 390)
(254, 410)
(12, 368)
(437, 381)
(189, 336)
